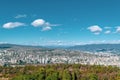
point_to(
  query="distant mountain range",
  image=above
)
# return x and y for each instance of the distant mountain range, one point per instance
(113, 48)
(3, 46)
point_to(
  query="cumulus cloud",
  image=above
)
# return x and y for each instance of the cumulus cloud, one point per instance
(118, 29)
(95, 29)
(38, 23)
(43, 24)
(11, 25)
(107, 32)
(46, 28)
(21, 16)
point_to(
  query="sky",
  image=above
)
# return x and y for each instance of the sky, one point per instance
(59, 22)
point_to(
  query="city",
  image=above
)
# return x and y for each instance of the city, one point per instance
(17, 56)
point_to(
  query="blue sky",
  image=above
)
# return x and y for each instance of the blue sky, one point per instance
(59, 22)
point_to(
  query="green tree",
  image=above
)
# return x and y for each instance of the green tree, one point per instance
(40, 75)
(66, 75)
(21, 77)
(73, 76)
(93, 77)
(53, 76)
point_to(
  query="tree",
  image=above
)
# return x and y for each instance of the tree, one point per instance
(93, 77)
(66, 75)
(40, 75)
(53, 76)
(21, 77)
(74, 76)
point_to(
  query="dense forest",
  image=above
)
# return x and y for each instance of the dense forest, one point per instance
(60, 72)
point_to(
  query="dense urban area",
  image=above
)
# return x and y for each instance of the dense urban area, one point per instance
(29, 55)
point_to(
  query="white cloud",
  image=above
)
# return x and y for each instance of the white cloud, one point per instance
(95, 29)
(38, 23)
(107, 32)
(46, 28)
(11, 25)
(59, 43)
(118, 29)
(21, 16)
(48, 24)
(43, 24)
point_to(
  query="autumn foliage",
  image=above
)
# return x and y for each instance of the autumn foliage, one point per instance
(61, 72)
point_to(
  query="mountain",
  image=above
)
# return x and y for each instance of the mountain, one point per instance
(7, 45)
(113, 48)
(4, 46)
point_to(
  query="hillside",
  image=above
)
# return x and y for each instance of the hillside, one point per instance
(60, 72)
(113, 48)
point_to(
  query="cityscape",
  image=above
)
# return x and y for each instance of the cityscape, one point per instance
(23, 55)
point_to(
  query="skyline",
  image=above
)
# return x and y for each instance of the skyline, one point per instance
(54, 22)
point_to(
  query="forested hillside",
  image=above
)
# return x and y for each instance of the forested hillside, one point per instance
(60, 72)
